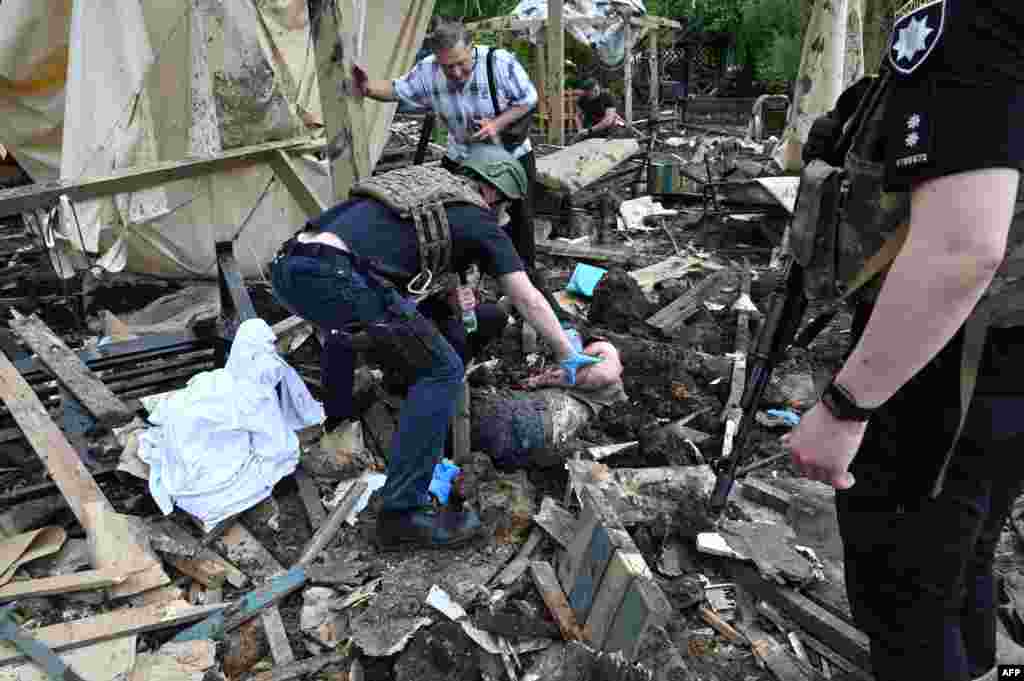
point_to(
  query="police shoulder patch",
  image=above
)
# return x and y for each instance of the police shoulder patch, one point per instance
(916, 32)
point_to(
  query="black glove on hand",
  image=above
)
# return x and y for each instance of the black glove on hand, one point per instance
(823, 137)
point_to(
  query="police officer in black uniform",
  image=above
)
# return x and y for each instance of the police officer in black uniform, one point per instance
(920, 527)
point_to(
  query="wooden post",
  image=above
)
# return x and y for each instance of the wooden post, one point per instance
(544, 106)
(627, 65)
(347, 134)
(654, 114)
(556, 72)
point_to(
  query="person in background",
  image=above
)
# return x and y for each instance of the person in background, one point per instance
(596, 116)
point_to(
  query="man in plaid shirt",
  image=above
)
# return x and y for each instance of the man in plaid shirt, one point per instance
(453, 83)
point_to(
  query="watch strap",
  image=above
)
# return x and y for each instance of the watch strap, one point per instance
(838, 400)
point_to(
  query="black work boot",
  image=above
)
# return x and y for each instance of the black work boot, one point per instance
(426, 527)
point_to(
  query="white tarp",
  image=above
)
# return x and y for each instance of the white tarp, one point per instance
(608, 40)
(220, 445)
(92, 86)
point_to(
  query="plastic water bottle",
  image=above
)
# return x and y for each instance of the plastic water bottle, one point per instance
(469, 320)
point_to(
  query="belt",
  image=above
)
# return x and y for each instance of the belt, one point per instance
(381, 273)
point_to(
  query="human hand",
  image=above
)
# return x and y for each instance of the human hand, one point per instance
(593, 377)
(823, 447)
(360, 81)
(574, 362)
(486, 128)
(461, 299)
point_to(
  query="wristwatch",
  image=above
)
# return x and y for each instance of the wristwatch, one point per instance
(838, 400)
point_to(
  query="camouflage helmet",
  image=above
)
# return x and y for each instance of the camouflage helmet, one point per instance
(496, 166)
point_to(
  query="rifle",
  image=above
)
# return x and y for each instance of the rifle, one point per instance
(788, 304)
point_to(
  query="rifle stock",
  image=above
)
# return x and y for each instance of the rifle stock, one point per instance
(773, 340)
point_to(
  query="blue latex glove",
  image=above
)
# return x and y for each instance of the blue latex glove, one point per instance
(576, 360)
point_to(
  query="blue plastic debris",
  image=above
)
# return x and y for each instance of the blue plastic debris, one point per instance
(779, 417)
(584, 279)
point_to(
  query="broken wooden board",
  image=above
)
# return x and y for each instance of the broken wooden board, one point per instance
(546, 581)
(114, 624)
(623, 568)
(209, 573)
(840, 636)
(559, 523)
(585, 252)
(329, 530)
(733, 406)
(171, 539)
(676, 313)
(514, 570)
(112, 536)
(644, 607)
(72, 373)
(310, 498)
(673, 267)
(305, 669)
(50, 586)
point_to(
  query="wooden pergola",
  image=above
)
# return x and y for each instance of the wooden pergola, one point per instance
(552, 64)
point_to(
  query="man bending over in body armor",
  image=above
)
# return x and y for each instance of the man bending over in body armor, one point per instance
(350, 270)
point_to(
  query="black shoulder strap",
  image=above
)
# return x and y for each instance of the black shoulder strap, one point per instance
(490, 81)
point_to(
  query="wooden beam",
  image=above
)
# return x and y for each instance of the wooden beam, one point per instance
(655, 81)
(616, 256)
(734, 405)
(556, 71)
(327, 532)
(515, 569)
(840, 636)
(508, 23)
(62, 584)
(30, 197)
(546, 581)
(289, 176)
(111, 535)
(304, 669)
(627, 66)
(209, 573)
(114, 624)
(673, 315)
(310, 498)
(344, 120)
(99, 400)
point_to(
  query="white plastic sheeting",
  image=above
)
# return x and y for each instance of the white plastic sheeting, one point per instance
(219, 445)
(609, 41)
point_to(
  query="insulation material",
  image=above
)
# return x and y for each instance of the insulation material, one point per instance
(575, 167)
(90, 88)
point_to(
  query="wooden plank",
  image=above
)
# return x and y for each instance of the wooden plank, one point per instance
(627, 67)
(556, 521)
(546, 581)
(111, 534)
(344, 120)
(653, 79)
(245, 551)
(209, 573)
(555, 81)
(766, 494)
(685, 306)
(327, 532)
(615, 256)
(310, 496)
(836, 660)
(670, 268)
(305, 669)
(288, 175)
(30, 197)
(733, 407)
(62, 584)
(514, 570)
(624, 567)
(71, 372)
(643, 608)
(721, 626)
(817, 622)
(277, 637)
(110, 625)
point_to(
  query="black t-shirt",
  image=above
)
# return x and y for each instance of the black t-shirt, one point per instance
(593, 108)
(373, 230)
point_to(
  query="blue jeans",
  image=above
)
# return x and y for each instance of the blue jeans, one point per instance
(919, 570)
(329, 292)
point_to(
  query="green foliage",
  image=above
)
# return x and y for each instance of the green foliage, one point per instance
(471, 10)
